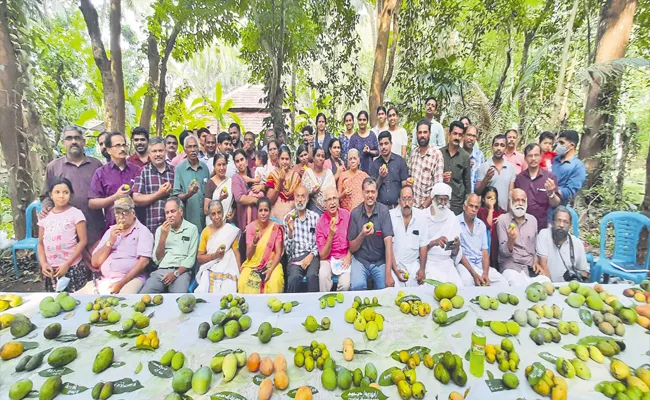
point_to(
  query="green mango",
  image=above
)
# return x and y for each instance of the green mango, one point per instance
(201, 380)
(52, 331)
(20, 389)
(62, 356)
(52, 309)
(103, 360)
(107, 391)
(371, 372)
(51, 388)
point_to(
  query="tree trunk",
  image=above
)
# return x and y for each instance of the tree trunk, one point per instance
(521, 96)
(13, 138)
(116, 62)
(559, 88)
(388, 13)
(293, 100)
(162, 85)
(565, 97)
(645, 205)
(111, 102)
(496, 103)
(152, 84)
(276, 95)
(614, 29)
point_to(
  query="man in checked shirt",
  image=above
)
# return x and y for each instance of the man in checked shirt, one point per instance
(427, 165)
(300, 243)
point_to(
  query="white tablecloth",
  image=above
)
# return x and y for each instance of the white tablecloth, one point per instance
(401, 331)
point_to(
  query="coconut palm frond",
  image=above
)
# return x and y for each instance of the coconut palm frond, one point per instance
(611, 69)
(534, 65)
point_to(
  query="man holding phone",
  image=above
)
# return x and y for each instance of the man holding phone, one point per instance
(443, 249)
(497, 172)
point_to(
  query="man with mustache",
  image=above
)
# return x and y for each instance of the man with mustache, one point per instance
(497, 172)
(457, 168)
(171, 146)
(474, 243)
(140, 140)
(333, 245)
(174, 252)
(436, 129)
(154, 185)
(517, 235)
(202, 134)
(476, 156)
(113, 179)
(409, 242)
(190, 178)
(427, 165)
(101, 142)
(235, 136)
(225, 148)
(249, 149)
(390, 171)
(443, 247)
(300, 243)
(210, 150)
(79, 170)
(511, 154)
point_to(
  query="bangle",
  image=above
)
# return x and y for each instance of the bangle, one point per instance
(109, 244)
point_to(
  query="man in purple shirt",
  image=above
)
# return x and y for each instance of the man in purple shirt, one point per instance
(332, 243)
(112, 180)
(539, 185)
(78, 169)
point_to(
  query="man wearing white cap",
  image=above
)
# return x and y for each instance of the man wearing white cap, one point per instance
(443, 250)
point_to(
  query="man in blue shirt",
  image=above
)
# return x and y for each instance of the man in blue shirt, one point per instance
(476, 156)
(568, 169)
(390, 172)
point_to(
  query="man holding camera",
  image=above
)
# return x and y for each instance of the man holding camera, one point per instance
(560, 253)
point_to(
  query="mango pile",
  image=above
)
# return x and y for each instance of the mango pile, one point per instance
(333, 377)
(545, 383)
(545, 335)
(51, 307)
(229, 324)
(173, 359)
(533, 315)
(229, 301)
(149, 340)
(539, 291)
(313, 355)
(504, 355)
(147, 301)
(276, 305)
(102, 309)
(267, 367)
(10, 301)
(412, 304)
(450, 367)
(365, 319)
(628, 386)
(641, 295)
(492, 303)
(504, 328)
(228, 363)
(330, 300)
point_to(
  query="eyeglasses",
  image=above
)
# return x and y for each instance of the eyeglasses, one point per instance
(407, 199)
(124, 213)
(119, 146)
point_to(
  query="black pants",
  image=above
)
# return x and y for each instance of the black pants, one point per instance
(296, 272)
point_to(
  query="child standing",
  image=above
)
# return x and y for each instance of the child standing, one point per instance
(61, 239)
(262, 171)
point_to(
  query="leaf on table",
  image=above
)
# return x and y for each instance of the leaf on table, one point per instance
(66, 338)
(292, 392)
(138, 368)
(425, 336)
(454, 318)
(385, 377)
(29, 345)
(466, 392)
(325, 296)
(142, 347)
(586, 317)
(294, 303)
(569, 347)
(159, 370)
(410, 297)
(123, 305)
(257, 379)
(593, 340)
(68, 315)
(227, 396)
(47, 373)
(117, 364)
(121, 334)
(363, 352)
(224, 352)
(496, 385)
(457, 335)
(490, 374)
(419, 350)
(102, 323)
(554, 324)
(467, 356)
(200, 300)
(126, 385)
(151, 315)
(33, 394)
(276, 332)
(70, 388)
(368, 393)
(548, 357)
(432, 282)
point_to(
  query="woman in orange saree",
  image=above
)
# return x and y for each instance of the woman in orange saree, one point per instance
(281, 185)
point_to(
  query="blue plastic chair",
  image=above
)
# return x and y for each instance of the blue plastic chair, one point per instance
(193, 286)
(627, 230)
(30, 242)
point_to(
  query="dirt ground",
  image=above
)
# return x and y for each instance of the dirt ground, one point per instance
(29, 278)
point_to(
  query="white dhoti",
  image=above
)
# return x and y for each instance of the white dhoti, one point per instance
(443, 270)
(496, 279)
(521, 278)
(412, 269)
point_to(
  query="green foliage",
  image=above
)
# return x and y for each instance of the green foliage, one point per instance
(178, 116)
(217, 109)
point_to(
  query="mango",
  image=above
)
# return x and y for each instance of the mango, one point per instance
(107, 391)
(644, 375)
(441, 374)
(520, 317)
(62, 356)
(215, 334)
(344, 379)
(595, 303)
(595, 354)
(177, 361)
(201, 380)
(241, 359)
(103, 360)
(229, 367)
(216, 363)
(628, 316)
(186, 303)
(459, 377)
(51, 309)
(371, 372)
(533, 318)
(513, 328)
(68, 303)
(266, 389)
(619, 370)
(510, 380)
(20, 327)
(51, 388)
(498, 328)
(265, 332)
(231, 329)
(328, 379)
(182, 380)
(575, 300)
(304, 393)
(633, 381)
(606, 328)
(245, 322)
(52, 331)
(446, 290)
(20, 389)
(35, 362)
(11, 350)
(166, 359)
(581, 368)
(565, 290)
(404, 390)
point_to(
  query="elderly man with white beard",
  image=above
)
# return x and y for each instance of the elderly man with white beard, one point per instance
(517, 236)
(410, 241)
(444, 239)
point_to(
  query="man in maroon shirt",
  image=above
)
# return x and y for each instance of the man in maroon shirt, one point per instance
(140, 140)
(539, 185)
(113, 179)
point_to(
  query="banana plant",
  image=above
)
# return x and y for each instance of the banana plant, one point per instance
(217, 109)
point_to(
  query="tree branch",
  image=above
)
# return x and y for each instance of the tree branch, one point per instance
(393, 48)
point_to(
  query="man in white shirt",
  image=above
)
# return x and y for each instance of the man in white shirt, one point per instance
(444, 239)
(225, 147)
(474, 243)
(410, 240)
(560, 252)
(399, 135)
(437, 131)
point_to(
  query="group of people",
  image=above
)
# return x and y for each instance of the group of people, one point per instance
(353, 212)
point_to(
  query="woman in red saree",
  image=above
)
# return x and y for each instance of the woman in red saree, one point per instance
(281, 184)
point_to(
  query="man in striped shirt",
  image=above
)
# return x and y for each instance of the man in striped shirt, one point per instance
(427, 165)
(300, 244)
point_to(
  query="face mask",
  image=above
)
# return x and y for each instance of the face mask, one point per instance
(560, 150)
(559, 234)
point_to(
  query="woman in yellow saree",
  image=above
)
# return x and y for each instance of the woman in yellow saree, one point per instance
(281, 184)
(262, 271)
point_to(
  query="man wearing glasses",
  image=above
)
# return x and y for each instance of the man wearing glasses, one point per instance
(113, 179)
(78, 169)
(409, 241)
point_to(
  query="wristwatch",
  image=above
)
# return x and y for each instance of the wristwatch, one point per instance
(176, 274)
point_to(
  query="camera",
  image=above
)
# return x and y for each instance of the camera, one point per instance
(570, 276)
